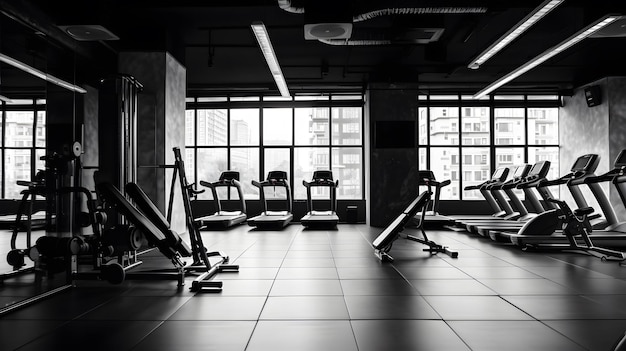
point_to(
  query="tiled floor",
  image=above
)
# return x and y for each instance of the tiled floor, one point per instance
(325, 290)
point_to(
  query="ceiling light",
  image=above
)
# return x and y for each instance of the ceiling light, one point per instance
(39, 74)
(579, 36)
(263, 38)
(517, 30)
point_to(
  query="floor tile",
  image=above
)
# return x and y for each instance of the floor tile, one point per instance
(98, 335)
(564, 307)
(433, 273)
(302, 336)
(311, 287)
(591, 334)
(250, 273)
(308, 262)
(307, 273)
(451, 287)
(243, 287)
(498, 273)
(147, 308)
(389, 307)
(377, 287)
(258, 262)
(199, 335)
(15, 333)
(512, 336)
(475, 308)
(213, 307)
(376, 335)
(383, 272)
(527, 287)
(305, 307)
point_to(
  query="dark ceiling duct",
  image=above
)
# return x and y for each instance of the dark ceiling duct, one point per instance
(286, 5)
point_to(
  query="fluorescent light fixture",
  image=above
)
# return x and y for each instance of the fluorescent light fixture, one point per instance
(39, 74)
(263, 38)
(564, 45)
(517, 30)
(5, 99)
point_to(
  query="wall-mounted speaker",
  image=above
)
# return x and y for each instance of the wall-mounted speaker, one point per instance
(593, 95)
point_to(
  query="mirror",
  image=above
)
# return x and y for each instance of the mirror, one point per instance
(39, 112)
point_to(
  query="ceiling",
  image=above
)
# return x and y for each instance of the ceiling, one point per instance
(213, 40)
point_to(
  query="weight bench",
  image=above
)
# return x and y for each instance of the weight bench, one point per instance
(383, 243)
(157, 231)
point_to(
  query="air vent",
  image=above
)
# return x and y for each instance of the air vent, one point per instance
(314, 31)
(91, 32)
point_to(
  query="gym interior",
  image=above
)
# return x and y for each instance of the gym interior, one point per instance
(313, 175)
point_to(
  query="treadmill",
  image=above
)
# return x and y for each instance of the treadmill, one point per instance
(614, 234)
(224, 219)
(432, 216)
(273, 219)
(321, 219)
(538, 171)
(498, 176)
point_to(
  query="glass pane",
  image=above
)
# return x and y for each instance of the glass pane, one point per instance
(475, 169)
(40, 137)
(213, 99)
(39, 163)
(509, 157)
(422, 120)
(211, 163)
(347, 167)
(246, 161)
(277, 126)
(17, 167)
(536, 154)
(509, 126)
(347, 97)
(475, 122)
(19, 128)
(422, 164)
(244, 126)
(189, 165)
(212, 127)
(543, 126)
(307, 160)
(189, 127)
(276, 160)
(245, 98)
(311, 97)
(311, 126)
(444, 97)
(444, 126)
(347, 126)
(444, 162)
(277, 98)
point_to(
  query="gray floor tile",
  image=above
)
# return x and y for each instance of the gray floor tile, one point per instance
(564, 307)
(304, 307)
(213, 307)
(389, 307)
(591, 334)
(451, 287)
(527, 287)
(377, 287)
(307, 273)
(302, 336)
(199, 335)
(512, 336)
(475, 308)
(376, 335)
(311, 287)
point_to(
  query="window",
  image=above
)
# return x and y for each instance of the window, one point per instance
(521, 134)
(23, 141)
(255, 135)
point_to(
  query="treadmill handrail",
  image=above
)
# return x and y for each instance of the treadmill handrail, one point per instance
(606, 177)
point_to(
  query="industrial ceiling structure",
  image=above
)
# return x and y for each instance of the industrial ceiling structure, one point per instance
(335, 45)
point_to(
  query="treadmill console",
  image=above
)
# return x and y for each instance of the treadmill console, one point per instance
(277, 175)
(229, 175)
(540, 169)
(620, 161)
(500, 174)
(586, 163)
(322, 176)
(520, 171)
